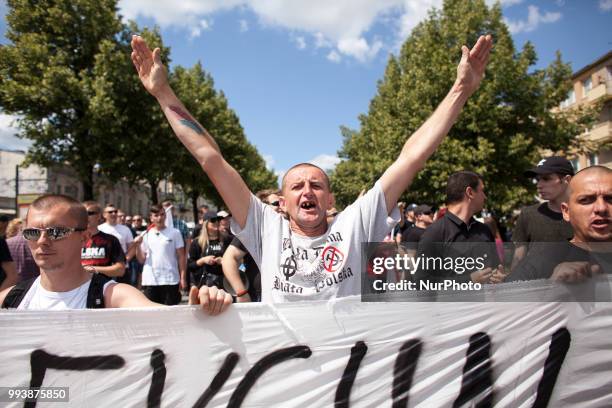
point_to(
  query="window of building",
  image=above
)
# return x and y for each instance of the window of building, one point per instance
(571, 98)
(593, 159)
(587, 85)
(59, 189)
(575, 164)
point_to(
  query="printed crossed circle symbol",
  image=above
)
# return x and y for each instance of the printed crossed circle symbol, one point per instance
(289, 267)
(332, 259)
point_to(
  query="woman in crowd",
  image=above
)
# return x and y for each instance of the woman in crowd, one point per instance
(205, 255)
(14, 227)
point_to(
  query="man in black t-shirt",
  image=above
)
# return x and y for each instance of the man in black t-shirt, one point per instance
(423, 215)
(102, 252)
(544, 222)
(589, 210)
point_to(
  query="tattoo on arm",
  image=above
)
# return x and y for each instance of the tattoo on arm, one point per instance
(187, 120)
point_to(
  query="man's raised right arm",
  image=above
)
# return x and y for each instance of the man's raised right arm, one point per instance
(194, 137)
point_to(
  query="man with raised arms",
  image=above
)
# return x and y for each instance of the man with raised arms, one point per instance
(302, 257)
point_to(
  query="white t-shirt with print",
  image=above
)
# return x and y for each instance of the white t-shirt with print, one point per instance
(161, 263)
(39, 298)
(121, 232)
(295, 267)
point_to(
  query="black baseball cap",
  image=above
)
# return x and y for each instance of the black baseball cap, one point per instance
(550, 165)
(422, 209)
(211, 217)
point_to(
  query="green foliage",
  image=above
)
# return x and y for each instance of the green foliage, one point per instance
(503, 129)
(195, 88)
(47, 77)
(69, 75)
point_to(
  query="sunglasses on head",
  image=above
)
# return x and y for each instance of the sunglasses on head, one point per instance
(53, 233)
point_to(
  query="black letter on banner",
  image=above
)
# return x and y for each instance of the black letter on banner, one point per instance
(559, 345)
(226, 370)
(403, 372)
(40, 361)
(343, 392)
(157, 379)
(477, 379)
(261, 367)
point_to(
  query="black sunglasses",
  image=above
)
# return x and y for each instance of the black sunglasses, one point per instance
(275, 203)
(93, 212)
(54, 233)
(111, 212)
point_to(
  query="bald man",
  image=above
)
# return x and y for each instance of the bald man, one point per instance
(589, 210)
(301, 256)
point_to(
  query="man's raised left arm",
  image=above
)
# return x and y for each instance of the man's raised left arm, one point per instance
(423, 143)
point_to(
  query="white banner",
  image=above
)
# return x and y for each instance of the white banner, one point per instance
(345, 353)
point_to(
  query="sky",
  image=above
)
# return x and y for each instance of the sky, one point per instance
(296, 70)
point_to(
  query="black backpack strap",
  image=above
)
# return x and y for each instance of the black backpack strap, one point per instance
(16, 295)
(95, 295)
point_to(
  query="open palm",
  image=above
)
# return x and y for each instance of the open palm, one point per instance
(151, 71)
(473, 63)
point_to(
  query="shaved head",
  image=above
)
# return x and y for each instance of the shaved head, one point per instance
(300, 165)
(582, 175)
(589, 205)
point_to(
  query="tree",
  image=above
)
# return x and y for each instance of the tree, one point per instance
(138, 143)
(503, 129)
(47, 77)
(195, 88)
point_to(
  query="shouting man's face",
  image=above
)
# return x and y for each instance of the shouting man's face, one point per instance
(589, 206)
(306, 199)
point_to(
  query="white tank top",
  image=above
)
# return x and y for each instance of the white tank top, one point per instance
(38, 298)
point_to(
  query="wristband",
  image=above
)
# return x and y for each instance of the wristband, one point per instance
(242, 293)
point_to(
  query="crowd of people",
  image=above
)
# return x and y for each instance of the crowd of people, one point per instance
(292, 244)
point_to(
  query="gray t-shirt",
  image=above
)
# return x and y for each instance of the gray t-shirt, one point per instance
(538, 223)
(295, 267)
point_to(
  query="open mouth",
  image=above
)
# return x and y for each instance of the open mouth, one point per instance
(307, 205)
(600, 223)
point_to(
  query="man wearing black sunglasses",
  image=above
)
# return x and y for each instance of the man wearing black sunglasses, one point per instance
(56, 231)
(423, 216)
(101, 252)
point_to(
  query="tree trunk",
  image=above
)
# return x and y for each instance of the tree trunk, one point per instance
(194, 203)
(153, 186)
(88, 184)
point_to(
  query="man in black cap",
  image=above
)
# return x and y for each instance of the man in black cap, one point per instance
(543, 222)
(423, 215)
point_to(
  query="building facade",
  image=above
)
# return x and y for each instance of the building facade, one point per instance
(33, 181)
(593, 84)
